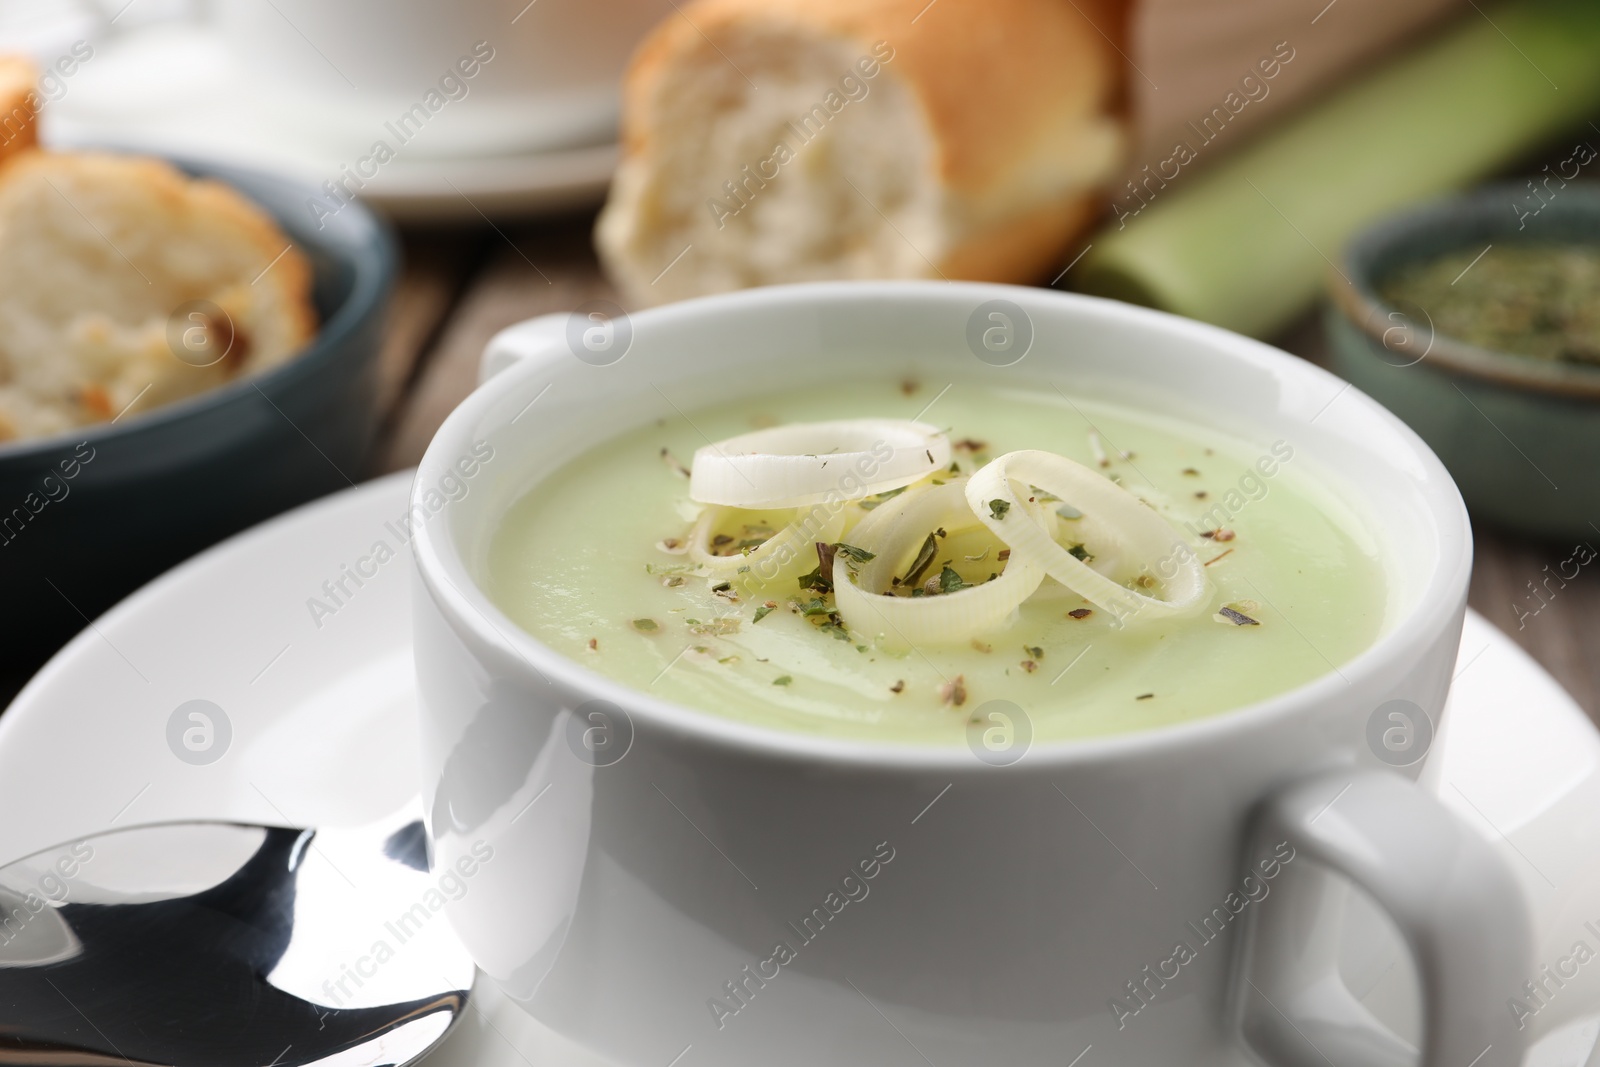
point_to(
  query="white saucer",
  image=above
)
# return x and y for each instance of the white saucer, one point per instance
(321, 720)
(173, 89)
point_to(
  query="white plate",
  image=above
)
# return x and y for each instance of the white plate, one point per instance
(320, 710)
(173, 89)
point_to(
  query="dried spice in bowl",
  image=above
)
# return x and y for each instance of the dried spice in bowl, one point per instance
(1538, 299)
(1480, 327)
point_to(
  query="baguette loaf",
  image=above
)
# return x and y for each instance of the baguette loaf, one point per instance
(785, 140)
(125, 285)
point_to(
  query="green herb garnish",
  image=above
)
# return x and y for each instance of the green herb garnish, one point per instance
(950, 581)
(816, 582)
(783, 680)
(817, 607)
(646, 626)
(924, 560)
(838, 631)
(998, 508)
(854, 554)
(1078, 552)
(762, 612)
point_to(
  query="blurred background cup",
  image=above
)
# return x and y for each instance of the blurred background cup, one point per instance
(539, 75)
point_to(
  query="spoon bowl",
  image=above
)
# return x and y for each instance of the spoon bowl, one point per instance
(228, 945)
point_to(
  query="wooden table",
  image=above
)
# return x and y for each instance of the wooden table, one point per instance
(462, 285)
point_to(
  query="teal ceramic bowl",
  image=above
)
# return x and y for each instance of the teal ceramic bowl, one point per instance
(87, 518)
(1521, 436)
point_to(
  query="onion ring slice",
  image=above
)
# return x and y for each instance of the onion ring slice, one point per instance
(784, 553)
(816, 462)
(889, 532)
(1145, 536)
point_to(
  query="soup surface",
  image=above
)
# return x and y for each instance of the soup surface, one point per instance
(590, 562)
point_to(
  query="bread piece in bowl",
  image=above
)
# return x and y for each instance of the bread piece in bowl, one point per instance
(125, 285)
(774, 141)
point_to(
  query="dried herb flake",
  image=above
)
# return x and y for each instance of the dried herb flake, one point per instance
(835, 629)
(954, 692)
(1235, 616)
(924, 560)
(816, 581)
(851, 552)
(950, 581)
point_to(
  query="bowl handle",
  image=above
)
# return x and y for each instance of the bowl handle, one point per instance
(1448, 890)
(533, 340)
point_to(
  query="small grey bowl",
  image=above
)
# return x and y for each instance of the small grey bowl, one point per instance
(1521, 436)
(152, 490)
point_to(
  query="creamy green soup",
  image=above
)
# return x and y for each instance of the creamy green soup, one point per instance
(589, 562)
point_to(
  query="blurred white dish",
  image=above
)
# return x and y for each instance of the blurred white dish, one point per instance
(544, 74)
(178, 88)
(321, 730)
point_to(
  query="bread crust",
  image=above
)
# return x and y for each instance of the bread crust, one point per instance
(1025, 249)
(19, 112)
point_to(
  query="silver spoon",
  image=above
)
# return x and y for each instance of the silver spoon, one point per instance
(224, 945)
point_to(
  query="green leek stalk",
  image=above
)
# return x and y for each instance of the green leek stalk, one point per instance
(1248, 242)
